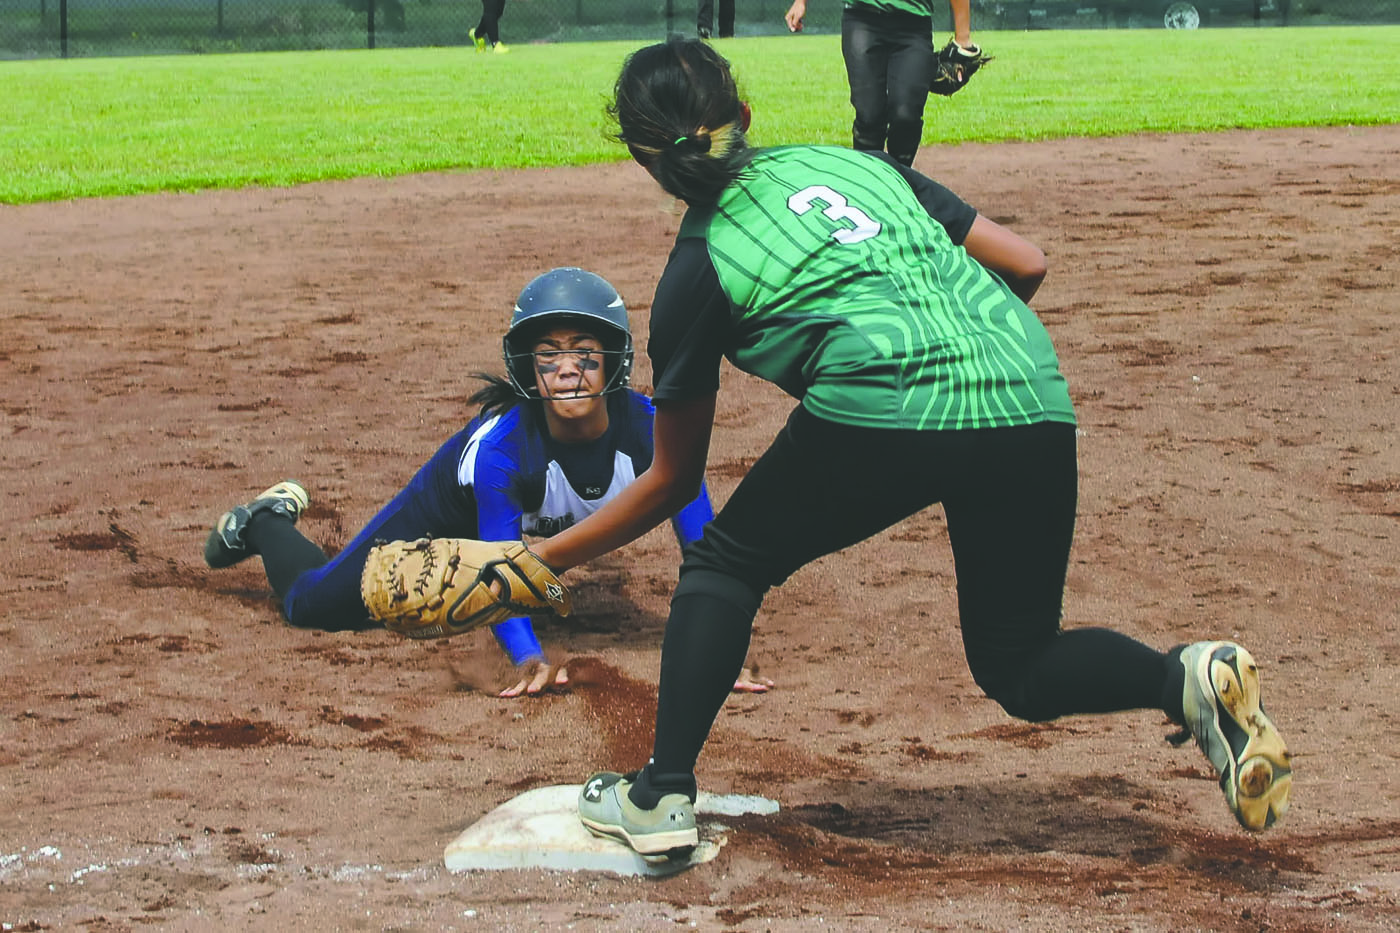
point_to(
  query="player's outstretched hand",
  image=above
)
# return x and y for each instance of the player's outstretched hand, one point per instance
(795, 15)
(541, 679)
(750, 682)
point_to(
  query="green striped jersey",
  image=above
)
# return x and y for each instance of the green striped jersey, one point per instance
(846, 294)
(913, 7)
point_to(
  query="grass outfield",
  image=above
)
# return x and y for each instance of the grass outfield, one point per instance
(93, 127)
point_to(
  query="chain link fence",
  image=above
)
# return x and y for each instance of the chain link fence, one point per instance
(83, 28)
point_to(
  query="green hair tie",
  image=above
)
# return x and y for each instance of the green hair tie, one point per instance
(679, 140)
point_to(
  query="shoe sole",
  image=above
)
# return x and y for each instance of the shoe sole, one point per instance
(676, 844)
(1258, 779)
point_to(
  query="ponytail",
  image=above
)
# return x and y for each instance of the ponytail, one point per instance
(678, 109)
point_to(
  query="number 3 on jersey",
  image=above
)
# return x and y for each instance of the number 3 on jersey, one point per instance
(836, 209)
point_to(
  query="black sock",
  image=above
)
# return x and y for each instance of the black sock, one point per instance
(1081, 670)
(286, 552)
(1175, 683)
(650, 786)
(707, 640)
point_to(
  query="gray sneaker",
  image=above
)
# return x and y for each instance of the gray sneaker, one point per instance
(227, 543)
(1223, 713)
(669, 829)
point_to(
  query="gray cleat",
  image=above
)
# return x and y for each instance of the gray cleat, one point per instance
(667, 830)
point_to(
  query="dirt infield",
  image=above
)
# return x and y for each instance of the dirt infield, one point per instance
(172, 756)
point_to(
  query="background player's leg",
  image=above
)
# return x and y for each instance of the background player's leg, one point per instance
(491, 11)
(704, 18)
(866, 63)
(726, 19)
(908, 93)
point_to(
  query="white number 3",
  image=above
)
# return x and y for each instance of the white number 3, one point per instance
(837, 209)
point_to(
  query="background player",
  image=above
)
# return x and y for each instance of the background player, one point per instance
(888, 49)
(922, 377)
(705, 18)
(486, 35)
(553, 442)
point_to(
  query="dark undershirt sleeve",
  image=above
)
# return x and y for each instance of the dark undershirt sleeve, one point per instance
(689, 325)
(955, 214)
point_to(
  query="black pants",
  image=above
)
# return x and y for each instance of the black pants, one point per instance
(490, 24)
(705, 13)
(1009, 495)
(888, 61)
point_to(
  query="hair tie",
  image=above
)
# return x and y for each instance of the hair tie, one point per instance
(679, 140)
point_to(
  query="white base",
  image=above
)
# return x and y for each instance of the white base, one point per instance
(540, 829)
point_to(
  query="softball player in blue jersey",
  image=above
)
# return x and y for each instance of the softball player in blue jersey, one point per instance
(554, 441)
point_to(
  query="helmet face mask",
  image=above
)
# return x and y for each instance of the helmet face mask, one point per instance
(534, 361)
(569, 297)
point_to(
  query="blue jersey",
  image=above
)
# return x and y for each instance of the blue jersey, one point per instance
(501, 478)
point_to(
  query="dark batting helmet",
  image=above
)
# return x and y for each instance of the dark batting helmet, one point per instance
(575, 298)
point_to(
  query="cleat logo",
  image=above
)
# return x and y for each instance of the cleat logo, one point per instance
(593, 790)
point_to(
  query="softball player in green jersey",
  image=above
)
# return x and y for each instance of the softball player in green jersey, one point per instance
(887, 46)
(896, 315)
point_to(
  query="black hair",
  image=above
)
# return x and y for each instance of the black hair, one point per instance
(496, 395)
(678, 109)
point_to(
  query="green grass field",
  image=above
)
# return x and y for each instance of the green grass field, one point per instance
(93, 127)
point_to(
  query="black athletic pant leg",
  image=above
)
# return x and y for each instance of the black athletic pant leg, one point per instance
(490, 24)
(1010, 497)
(1011, 512)
(887, 56)
(909, 69)
(705, 18)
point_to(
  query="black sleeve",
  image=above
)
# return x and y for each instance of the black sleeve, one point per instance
(689, 325)
(955, 214)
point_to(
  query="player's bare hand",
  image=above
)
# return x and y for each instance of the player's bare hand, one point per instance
(543, 678)
(795, 15)
(750, 682)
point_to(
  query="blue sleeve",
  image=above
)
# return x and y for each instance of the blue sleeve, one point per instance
(517, 639)
(499, 519)
(689, 523)
(498, 515)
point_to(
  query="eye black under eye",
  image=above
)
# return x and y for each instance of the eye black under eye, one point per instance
(545, 360)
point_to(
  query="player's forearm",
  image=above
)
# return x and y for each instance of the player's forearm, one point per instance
(962, 21)
(1018, 261)
(643, 505)
(682, 440)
